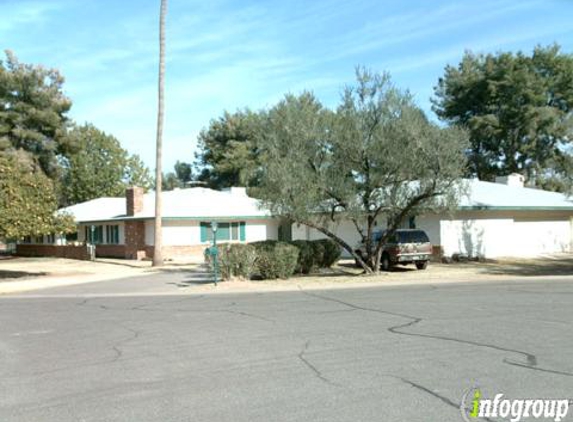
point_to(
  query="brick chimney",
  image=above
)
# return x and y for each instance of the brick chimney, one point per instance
(133, 200)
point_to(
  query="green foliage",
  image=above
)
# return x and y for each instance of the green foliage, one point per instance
(99, 166)
(33, 111)
(275, 259)
(376, 155)
(136, 173)
(306, 260)
(228, 153)
(517, 109)
(315, 254)
(330, 252)
(27, 200)
(179, 178)
(237, 260)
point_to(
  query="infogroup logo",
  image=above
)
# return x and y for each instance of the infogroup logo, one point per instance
(475, 407)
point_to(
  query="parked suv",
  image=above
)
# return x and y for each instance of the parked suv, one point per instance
(403, 247)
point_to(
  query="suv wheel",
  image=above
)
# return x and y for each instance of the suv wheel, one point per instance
(422, 265)
(385, 263)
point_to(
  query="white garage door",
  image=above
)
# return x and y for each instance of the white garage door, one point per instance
(534, 237)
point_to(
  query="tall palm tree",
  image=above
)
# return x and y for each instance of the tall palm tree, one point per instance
(158, 241)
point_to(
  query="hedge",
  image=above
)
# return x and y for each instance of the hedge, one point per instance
(237, 260)
(272, 259)
(275, 259)
(306, 257)
(315, 254)
(330, 252)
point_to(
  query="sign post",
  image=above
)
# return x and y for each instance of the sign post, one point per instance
(214, 251)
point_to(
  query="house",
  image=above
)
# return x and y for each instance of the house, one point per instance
(494, 219)
(124, 227)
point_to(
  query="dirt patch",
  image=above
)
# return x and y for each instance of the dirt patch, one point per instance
(347, 273)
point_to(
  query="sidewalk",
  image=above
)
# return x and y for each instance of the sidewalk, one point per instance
(25, 274)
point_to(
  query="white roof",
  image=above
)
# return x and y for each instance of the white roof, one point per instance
(179, 203)
(97, 209)
(198, 203)
(484, 195)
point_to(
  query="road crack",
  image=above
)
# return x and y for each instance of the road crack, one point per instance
(313, 368)
(531, 361)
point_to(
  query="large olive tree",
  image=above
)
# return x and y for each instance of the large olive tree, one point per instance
(375, 155)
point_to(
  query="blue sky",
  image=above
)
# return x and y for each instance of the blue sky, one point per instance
(225, 54)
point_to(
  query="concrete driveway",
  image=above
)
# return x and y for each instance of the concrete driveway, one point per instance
(115, 352)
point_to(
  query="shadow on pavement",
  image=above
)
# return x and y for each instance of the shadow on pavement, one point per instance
(546, 266)
(7, 274)
(196, 275)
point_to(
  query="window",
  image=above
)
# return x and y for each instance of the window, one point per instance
(112, 234)
(412, 222)
(225, 231)
(51, 239)
(94, 236)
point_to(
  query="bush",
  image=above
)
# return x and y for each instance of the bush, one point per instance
(331, 252)
(306, 257)
(237, 260)
(275, 259)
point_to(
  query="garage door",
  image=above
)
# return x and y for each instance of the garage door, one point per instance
(534, 237)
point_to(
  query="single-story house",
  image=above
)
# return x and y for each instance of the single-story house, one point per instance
(494, 219)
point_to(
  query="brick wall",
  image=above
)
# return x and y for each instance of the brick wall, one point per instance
(110, 251)
(191, 251)
(134, 239)
(60, 251)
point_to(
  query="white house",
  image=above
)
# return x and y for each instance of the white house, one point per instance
(495, 219)
(124, 227)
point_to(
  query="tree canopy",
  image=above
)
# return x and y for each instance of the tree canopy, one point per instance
(181, 175)
(99, 166)
(228, 155)
(375, 156)
(517, 109)
(33, 111)
(54, 157)
(27, 200)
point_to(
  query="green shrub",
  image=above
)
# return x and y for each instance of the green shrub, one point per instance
(331, 252)
(237, 260)
(306, 260)
(275, 259)
(318, 252)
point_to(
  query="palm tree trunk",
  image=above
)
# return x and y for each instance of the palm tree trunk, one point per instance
(158, 241)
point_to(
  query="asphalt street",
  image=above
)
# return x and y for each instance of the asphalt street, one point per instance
(127, 351)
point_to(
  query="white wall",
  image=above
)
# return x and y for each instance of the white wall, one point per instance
(181, 233)
(489, 237)
(150, 232)
(344, 229)
(497, 234)
(256, 230)
(539, 237)
(431, 225)
(188, 232)
(479, 233)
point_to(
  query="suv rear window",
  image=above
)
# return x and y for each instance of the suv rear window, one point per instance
(414, 236)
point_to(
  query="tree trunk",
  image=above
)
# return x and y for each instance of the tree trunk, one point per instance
(158, 241)
(342, 243)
